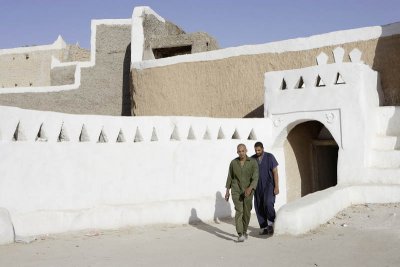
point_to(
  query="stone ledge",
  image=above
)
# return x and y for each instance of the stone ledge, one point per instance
(6, 228)
(315, 209)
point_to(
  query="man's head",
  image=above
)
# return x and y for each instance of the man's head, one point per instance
(259, 149)
(241, 150)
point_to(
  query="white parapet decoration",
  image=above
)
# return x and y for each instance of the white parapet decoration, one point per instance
(58, 44)
(62, 172)
(345, 98)
(342, 96)
(29, 125)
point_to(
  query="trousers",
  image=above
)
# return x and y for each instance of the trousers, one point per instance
(243, 206)
(264, 202)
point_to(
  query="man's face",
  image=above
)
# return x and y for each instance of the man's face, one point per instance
(242, 150)
(259, 151)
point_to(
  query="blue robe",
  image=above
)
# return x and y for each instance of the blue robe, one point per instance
(264, 197)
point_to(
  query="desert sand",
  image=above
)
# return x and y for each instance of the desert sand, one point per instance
(362, 235)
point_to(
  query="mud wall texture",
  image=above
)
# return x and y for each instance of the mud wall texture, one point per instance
(233, 87)
(33, 68)
(158, 34)
(27, 69)
(104, 87)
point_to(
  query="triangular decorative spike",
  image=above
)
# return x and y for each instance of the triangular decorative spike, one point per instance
(236, 135)
(121, 137)
(175, 134)
(41, 135)
(283, 85)
(15, 136)
(338, 54)
(138, 136)
(355, 55)
(63, 136)
(84, 137)
(154, 135)
(339, 79)
(191, 135)
(300, 83)
(252, 135)
(221, 134)
(322, 58)
(207, 135)
(102, 137)
(319, 82)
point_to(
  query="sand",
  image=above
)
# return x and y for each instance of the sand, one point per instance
(362, 235)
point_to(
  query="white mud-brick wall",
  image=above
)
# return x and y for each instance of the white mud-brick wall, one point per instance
(344, 98)
(61, 172)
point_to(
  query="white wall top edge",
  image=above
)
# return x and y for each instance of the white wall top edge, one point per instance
(31, 112)
(297, 44)
(146, 10)
(38, 89)
(58, 44)
(137, 31)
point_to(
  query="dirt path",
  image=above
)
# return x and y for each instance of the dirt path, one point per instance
(363, 235)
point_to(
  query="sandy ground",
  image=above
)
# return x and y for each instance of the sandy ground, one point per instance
(362, 235)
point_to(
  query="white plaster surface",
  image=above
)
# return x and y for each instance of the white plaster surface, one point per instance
(317, 208)
(340, 107)
(298, 44)
(137, 44)
(322, 58)
(355, 55)
(59, 43)
(55, 186)
(6, 228)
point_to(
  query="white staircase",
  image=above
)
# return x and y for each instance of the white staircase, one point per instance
(384, 161)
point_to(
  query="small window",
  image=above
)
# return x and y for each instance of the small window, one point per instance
(171, 51)
(26, 56)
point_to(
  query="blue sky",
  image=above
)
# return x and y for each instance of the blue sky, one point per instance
(232, 23)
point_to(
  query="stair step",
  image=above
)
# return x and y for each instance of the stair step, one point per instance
(385, 159)
(383, 175)
(388, 119)
(386, 142)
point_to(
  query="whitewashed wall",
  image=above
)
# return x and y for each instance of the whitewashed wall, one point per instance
(50, 186)
(344, 101)
(345, 97)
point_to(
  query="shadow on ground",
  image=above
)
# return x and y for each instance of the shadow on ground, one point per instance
(222, 214)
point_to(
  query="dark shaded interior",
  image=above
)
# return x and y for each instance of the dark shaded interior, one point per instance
(316, 154)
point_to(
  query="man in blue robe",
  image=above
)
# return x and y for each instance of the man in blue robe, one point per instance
(267, 189)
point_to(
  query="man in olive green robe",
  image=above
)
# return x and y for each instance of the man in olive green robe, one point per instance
(242, 181)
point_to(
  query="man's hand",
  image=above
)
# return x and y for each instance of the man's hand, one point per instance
(276, 190)
(247, 192)
(227, 195)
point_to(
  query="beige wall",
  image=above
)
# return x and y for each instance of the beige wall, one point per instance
(233, 87)
(105, 87)
(33, 68)
(27, 69)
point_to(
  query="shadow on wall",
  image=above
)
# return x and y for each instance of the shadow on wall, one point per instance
(387, 63)
(222, 208)
(127, 99)
(222, 212)
(257, 113)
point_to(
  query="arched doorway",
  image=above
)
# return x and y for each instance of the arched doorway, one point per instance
(311, 156)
